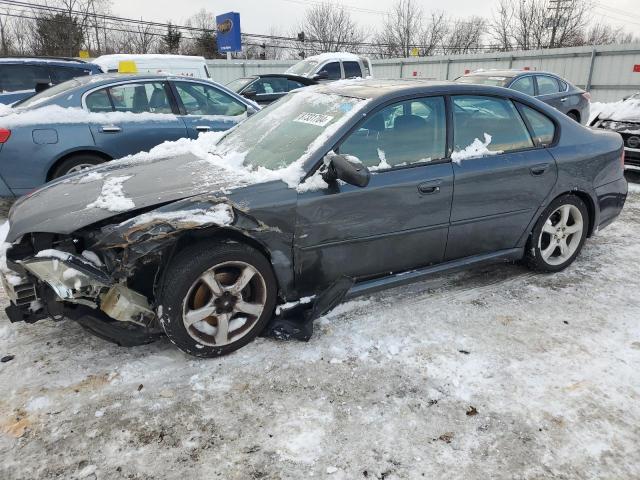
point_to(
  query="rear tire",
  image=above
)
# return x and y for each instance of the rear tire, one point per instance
(216, 298)
(574, 116)
(559, 235)
(75, 164)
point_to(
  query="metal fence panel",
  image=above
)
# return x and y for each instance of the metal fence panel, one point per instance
(606, 71)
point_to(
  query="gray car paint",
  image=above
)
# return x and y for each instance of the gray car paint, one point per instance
(312, 237)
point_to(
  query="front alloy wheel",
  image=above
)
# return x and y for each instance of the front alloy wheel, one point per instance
(216, 298)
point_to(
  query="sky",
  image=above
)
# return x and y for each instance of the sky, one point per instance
(261, 16)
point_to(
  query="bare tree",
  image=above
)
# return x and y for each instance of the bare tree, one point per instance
(329, 28)
(203, 41)
(465, 36)
(401, 31)
(6, 39)
(434, 33)
(603, 34)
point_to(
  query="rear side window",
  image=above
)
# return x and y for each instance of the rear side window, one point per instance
(63, 74)
(333, 70)
(544, 129)
(547, 85)
(98, 101)
(200, 99)
(524, 85)
(475, 116)
(351, 69)
(14, 78)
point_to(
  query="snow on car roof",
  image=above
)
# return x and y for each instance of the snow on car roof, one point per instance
(334, 56)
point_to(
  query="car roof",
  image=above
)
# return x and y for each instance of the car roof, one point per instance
(382, 90)
(105, 78)
(44, 60)
(508, 73)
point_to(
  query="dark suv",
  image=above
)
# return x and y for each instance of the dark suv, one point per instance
(20, 77)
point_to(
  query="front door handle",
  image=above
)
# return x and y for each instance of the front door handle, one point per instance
(203, 128)
(564, 99)
(110, 129)
(429, 188)
(538, 170)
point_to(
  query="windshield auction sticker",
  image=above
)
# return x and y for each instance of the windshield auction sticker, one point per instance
(313, 119)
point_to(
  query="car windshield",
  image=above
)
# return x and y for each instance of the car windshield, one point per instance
(47, 94)
(284, 132)
(494, 80)
(239, 83)
(305, 67)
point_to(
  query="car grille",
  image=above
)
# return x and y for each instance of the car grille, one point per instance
(631, 140)
(25, 294)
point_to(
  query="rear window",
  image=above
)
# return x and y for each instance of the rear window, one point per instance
(547, 85)
(49, 93)
(494, 80)
(18, 77)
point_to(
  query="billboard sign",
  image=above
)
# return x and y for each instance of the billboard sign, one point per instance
(228, 30)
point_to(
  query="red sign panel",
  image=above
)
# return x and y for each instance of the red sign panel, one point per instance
(636, 68)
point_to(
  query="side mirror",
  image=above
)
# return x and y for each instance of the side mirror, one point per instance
(321, 75)
(346, 168)
(42, 86)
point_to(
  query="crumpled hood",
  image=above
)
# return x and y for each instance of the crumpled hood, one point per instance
(626, 111)
(61, 206)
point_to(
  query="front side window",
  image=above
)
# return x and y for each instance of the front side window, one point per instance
(15, 78)
(409, 132)
(140, 98)
(270, 85)
(333, 70)
(543, 128)
(352, 69)
(524, 85)
(200, 99)
(547, 85)
(293, 84)
(475, 116)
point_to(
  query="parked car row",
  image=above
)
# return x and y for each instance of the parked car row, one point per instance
(334, 191)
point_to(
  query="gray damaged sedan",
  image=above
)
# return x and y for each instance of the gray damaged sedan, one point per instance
(332, 192)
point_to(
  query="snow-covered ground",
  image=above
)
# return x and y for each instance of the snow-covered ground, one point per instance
(493, 373)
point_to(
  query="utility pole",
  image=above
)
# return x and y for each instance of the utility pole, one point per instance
(558, 17)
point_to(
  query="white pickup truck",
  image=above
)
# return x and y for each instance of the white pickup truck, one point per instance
(333, 66)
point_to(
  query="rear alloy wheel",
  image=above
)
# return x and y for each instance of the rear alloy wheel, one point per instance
(217, 299)
(559, 234)
(75, 164)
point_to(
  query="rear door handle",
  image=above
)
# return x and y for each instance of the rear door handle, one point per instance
(537, 170)
(429, 188)
(110, 129)
(203, 128)
(564, 99)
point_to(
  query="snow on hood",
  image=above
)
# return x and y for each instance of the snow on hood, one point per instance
(624, 111)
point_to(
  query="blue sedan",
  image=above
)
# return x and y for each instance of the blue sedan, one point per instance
(90, 120)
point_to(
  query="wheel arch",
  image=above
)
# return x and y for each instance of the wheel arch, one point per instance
(588, 201)
(67, 155)
(576, 113)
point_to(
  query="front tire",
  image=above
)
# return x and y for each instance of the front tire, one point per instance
(559, 235)
(216, 299)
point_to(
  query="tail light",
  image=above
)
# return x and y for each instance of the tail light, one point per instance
(4, 135)
(586, 96)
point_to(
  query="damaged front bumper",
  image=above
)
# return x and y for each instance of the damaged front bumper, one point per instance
(40, 285)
